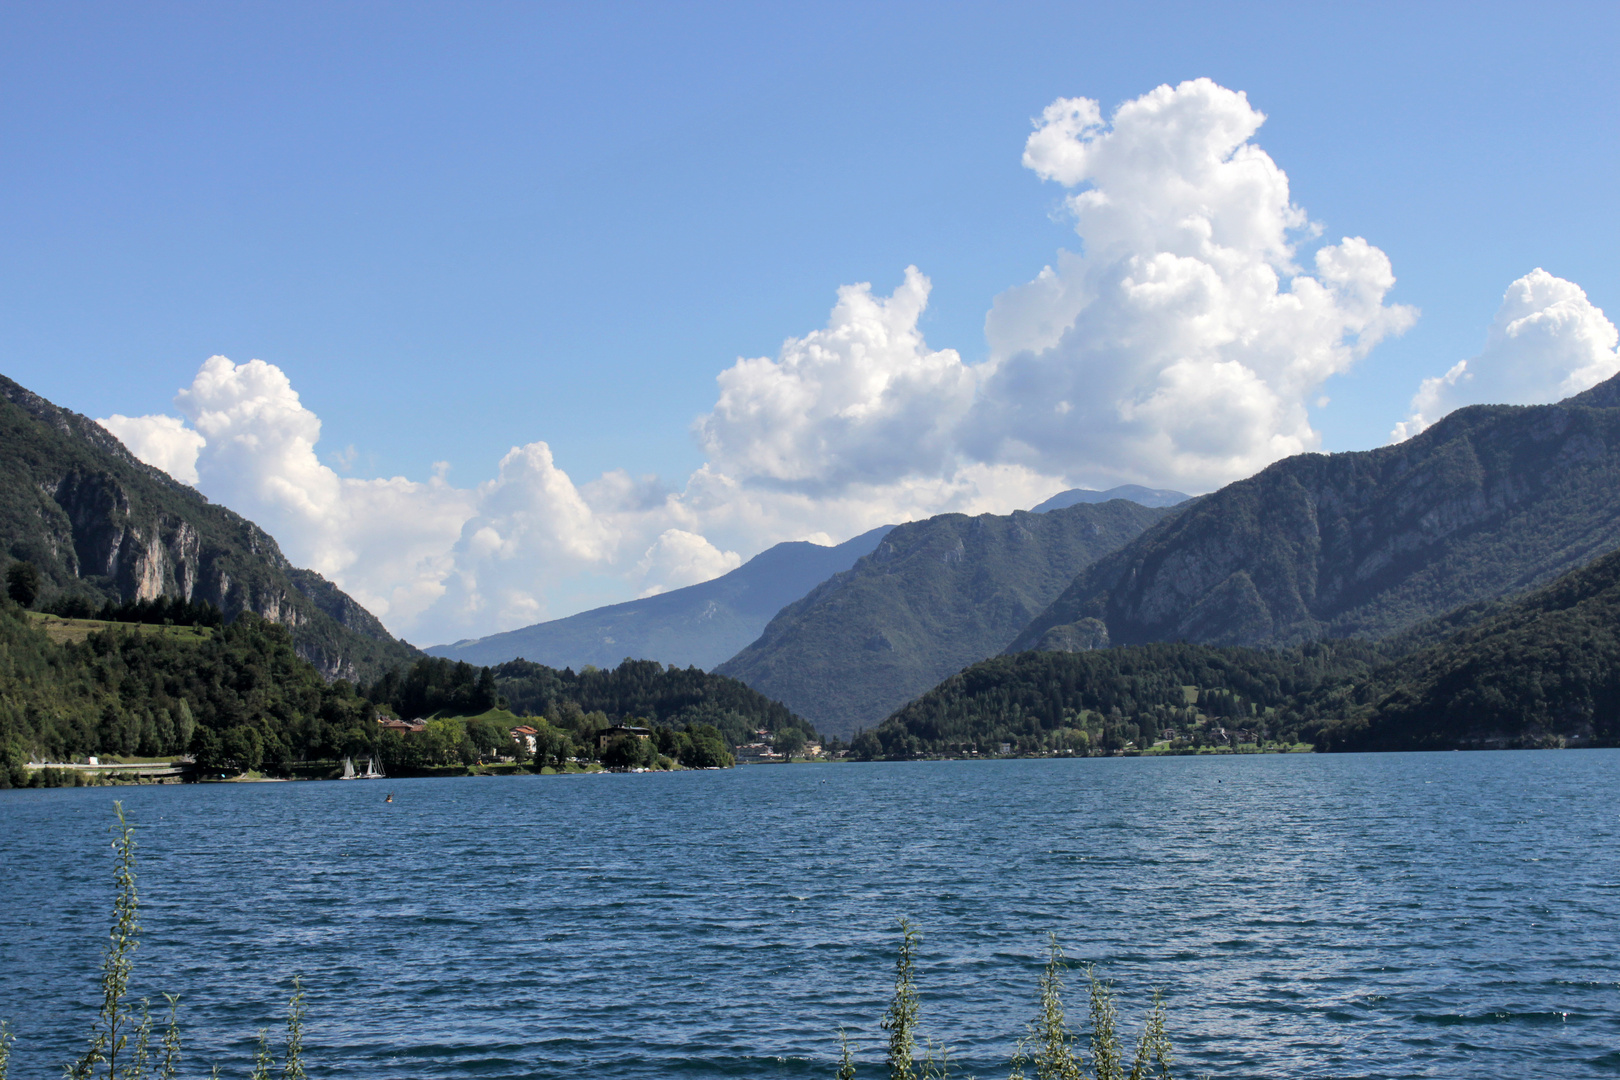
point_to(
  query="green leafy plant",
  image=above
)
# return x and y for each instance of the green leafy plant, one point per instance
(263, 1060)
(109, 1033)
(293, 1066)
(846, 1060)
(171, 1041)
(1048, 1044)
(901, 1019)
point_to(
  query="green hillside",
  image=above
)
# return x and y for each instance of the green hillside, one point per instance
(934, 596)
(100, 525)
(239, 697)
(1491, 501)
(1105, 700)
(642, 690)
(1542, 671)
(239, 693)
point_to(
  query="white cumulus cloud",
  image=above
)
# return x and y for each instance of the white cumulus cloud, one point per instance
(863, 401)
(1547, 341)
(161, 441)
(679, 558)
(1181, 345)
(251, 446)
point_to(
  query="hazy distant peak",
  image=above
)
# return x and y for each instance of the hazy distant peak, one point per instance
(1133, 492)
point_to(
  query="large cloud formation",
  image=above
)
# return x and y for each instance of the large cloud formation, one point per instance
(864, 401)
(1177, 347)
(1548, 341)
(1180, 347)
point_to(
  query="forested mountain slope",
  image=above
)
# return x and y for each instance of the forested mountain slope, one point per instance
(238, 697)
(935, 595)
(1540, 671)
(1104, 700)
(1489, 502)
(700, 625)
(98, 523)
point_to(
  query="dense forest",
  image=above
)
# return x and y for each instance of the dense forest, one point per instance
(1542, 671)
(1122, 698)
(239, 697)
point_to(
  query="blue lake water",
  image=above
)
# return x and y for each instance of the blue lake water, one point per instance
(1402, 915)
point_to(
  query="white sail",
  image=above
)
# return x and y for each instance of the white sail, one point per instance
(348, 768)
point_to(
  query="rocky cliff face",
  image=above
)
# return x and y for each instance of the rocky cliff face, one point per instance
(97, 522)
(1487, 503)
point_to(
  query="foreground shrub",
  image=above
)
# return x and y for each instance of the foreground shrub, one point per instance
(1048, 1046)
(120, 1046)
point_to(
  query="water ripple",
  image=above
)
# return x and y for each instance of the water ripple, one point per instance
(1373, 916)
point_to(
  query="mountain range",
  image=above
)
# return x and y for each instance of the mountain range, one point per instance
(97, 523)
(1411, 547)
(1487, 503)
(934, 596)
(1539, 671)
(1136, 493)
(699, 625)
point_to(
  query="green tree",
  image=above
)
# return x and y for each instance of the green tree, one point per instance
(489, 736)
(866, 746)
(626, 752)
(22, 583)
(242, 748)
(208, 751)
(701, 747)
(789, 741)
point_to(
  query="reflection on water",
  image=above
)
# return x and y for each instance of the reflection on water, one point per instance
(1375, 916)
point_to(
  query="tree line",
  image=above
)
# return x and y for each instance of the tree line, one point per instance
(242, 699)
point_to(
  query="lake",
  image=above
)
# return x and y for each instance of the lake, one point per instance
(1402, 915)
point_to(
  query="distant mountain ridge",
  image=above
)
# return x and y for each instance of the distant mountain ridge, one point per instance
(700, 625)
(934, 596)
(1136, 493)
(1489, 502)
(97, 522)
(1541, 671)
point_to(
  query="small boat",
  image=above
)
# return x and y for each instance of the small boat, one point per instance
(373, 770)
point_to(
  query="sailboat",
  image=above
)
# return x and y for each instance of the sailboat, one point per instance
(373, 771)
(348, 768)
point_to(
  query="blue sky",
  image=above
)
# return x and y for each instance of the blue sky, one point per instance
(461, 229)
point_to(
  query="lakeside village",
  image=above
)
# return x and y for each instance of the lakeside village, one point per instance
(616, 748)
(526, 749)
